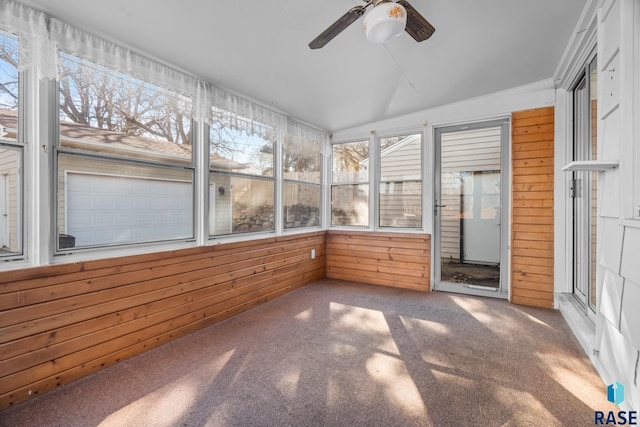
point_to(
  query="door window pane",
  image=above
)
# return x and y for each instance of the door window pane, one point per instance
(469, 206)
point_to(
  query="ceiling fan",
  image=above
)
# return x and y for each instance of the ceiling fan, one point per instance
(387, 19)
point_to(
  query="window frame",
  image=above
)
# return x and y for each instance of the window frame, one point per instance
(379, 181)
(574, 231)
(368, 182)
(19, 144)
(59, 151)
(273, 178)
(316, 185)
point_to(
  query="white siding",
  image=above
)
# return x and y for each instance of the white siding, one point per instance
(220, 204)
(401, 202)
(619, 242)
(403, 162)
(10, 168)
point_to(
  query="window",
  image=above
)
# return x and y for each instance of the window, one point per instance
(124, 160)
(585, 196)
(11, 150)
(350, 184)
(400, 187)
(302, 186)
(241, 179)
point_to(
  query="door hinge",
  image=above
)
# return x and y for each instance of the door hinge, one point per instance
(575, 188)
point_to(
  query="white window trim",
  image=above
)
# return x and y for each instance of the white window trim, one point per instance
(330, 184)
(282, 181)
(635, 89)
(378, 171)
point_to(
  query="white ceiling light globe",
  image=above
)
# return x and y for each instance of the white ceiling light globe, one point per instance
(385, 21)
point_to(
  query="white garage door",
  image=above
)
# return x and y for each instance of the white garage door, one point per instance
(105, 209)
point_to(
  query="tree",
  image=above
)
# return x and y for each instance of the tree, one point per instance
(246, 142)
(8, 72)
(349, 157)
(105, 99)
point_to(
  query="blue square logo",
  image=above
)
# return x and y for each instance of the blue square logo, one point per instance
(615, 393)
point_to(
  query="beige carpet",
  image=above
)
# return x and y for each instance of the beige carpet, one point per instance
(337, 353)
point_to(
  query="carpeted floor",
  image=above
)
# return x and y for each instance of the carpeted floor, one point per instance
(344, 354)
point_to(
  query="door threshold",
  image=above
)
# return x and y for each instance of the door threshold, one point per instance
(482, 288)
(481, 291)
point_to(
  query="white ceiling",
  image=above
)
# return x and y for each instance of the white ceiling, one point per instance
(260, 49)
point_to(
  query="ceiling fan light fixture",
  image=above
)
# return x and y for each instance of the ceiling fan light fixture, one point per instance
(384, 22)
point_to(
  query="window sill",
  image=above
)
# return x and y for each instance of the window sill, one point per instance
(591, 165)
(582, 327)
(635, 223)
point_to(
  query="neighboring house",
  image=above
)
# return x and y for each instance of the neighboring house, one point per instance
(10, 167)
(110, 201)
(468, 157)
(401, 187)
(470, 181)
(401, 201)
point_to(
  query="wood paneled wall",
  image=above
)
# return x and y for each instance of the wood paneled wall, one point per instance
(532, 207)
(390, 259)
(59, 323)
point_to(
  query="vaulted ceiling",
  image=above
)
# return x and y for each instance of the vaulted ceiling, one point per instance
(260, 49)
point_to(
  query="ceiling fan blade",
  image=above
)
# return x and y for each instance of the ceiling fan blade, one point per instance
(337, 27)
(417, 26)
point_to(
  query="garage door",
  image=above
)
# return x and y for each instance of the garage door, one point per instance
(109, 209)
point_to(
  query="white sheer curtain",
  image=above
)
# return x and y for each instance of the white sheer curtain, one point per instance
(245, 108)
(299, 131)
(37, 51)
(118, 58)
(41, 36)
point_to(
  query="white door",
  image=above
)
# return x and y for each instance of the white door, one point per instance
(470, 200)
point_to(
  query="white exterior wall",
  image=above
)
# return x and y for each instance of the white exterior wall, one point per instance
(9, 167)
(402, 163)
(618, 317)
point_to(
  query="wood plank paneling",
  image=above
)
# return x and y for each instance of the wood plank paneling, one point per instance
(62, 322)
(532, 207)
(389, 259)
